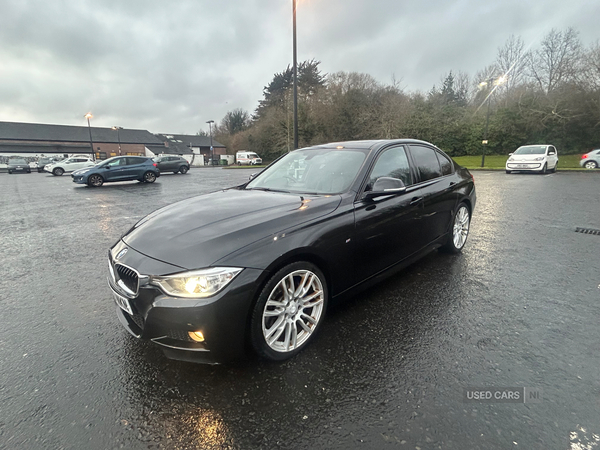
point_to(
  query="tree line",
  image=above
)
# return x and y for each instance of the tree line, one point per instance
(546, 95)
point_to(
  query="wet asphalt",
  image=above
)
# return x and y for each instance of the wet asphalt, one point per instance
(520, 307)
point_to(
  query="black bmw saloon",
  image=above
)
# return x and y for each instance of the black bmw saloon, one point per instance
(255, 266)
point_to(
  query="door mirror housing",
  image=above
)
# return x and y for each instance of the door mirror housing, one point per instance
(386, 186)
(510, 154)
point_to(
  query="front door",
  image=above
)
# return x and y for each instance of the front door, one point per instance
(387, 228)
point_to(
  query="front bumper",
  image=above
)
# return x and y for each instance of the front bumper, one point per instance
(525, 166)
(79, 179)
(167, 320)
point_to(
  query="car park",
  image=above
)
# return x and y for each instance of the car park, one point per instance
(69, 165)
(16, 165)
(533, 158)
(118, 168)
(256, 265)
(172, 163)
(590, 160)
(247, 158)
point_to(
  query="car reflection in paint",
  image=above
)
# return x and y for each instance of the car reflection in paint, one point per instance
(255, 266)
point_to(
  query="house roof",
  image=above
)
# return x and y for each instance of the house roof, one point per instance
(195, 140)
(19, 131)
(174, 147)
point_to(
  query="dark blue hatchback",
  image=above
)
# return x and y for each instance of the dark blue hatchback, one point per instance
(119, 168)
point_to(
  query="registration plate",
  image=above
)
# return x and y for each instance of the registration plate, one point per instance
(522, 166)
(122, 302)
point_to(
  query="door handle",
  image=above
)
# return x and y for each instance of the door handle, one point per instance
(415, 200)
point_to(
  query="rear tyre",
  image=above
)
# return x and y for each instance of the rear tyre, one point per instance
(460, 230)
(184, 169)
(95, 181)
(58, 172)
(289, 311)
(10, 172)
(149, 177)
(590, 165)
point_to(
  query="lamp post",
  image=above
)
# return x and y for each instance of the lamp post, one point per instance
(88, 116)
(118, 137)
(295, 78)
(496, 82)
(212, 154)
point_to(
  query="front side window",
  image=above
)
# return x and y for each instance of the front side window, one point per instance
(391, 163)
(426, 162)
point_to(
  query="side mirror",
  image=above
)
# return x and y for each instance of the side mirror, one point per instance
(552, 153)
(252, 176)
(386, 186)
(510, 154)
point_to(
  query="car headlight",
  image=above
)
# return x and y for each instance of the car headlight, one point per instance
(197, 283)
(539, 158)
(511, 159)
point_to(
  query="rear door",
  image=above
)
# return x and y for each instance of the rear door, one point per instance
(436, 181)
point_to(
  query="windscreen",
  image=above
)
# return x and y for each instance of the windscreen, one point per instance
(531, 150)
(312, 171)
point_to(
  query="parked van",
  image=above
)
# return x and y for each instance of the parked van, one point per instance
(249, 158)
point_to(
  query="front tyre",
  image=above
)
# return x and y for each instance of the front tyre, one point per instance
(95, 181)
(460, 230)
(289, 311)
(149, 177)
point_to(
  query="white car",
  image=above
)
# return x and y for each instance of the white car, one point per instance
(533, 158)
(69, 165)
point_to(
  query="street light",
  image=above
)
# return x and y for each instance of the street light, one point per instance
(118, 137)
(496, 82)
(295, 78)
(88, 116)
(212, 154)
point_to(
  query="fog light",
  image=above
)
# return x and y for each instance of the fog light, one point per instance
(196, 336)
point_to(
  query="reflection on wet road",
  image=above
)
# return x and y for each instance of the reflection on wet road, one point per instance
(519, 307)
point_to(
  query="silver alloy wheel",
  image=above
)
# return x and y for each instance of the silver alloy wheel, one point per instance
(461, 227)
(149, 177)
(590, 165)
(293, 311)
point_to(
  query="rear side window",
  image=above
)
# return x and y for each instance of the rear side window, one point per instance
(445, 164)
(132, 161)
(426, 162)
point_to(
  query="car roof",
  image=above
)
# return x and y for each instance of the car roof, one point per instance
(370, 144)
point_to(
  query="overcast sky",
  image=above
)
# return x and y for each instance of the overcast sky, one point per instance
(169, 66)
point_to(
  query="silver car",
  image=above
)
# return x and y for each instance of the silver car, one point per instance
(591, 160)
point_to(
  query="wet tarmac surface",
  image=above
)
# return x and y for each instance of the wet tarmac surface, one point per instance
(519, 308)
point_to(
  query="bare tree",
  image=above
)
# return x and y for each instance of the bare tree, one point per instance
(511, 62)
(557, 61)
